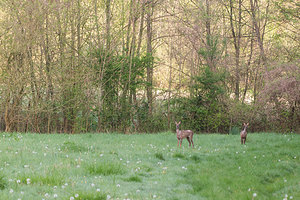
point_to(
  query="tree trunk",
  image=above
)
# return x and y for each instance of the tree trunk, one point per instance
(258, 33)
(236, 34)
(149, 54)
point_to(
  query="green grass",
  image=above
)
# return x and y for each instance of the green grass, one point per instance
(148, 166)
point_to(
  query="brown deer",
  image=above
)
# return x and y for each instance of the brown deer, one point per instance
(181, 134)
(244, 133)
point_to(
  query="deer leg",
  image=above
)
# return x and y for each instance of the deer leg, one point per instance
(192, 142)
(180, 142)
(241, 140)
(188, 139)
(177, 142)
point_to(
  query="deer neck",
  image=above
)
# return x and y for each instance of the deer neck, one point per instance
(244, 132)
(178, 131)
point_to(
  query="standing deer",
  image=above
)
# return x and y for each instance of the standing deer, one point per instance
(244, 133)
(181, 134)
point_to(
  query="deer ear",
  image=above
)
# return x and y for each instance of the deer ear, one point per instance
(179, 122)
(247, 124)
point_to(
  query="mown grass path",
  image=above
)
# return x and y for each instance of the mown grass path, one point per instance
(148, 166)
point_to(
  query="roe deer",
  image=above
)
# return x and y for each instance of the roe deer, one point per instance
(181, 134)
(244, 133)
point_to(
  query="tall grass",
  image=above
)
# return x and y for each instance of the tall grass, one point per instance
(105, 168)
(148, 166)
(3, 182)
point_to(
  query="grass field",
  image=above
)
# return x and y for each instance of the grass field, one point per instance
(148, 166)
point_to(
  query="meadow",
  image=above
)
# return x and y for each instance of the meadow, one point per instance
(149, 166)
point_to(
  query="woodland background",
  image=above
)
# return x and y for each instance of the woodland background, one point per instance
(74, 66)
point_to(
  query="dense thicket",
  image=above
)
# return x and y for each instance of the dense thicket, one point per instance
(137, 65)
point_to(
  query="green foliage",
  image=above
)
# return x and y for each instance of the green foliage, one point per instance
(212, 50)
(205, 110)
(235, 130)
(118, 89)
(209, 86)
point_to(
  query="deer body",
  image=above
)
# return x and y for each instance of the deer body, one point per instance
(181, 134)
(244, 133)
